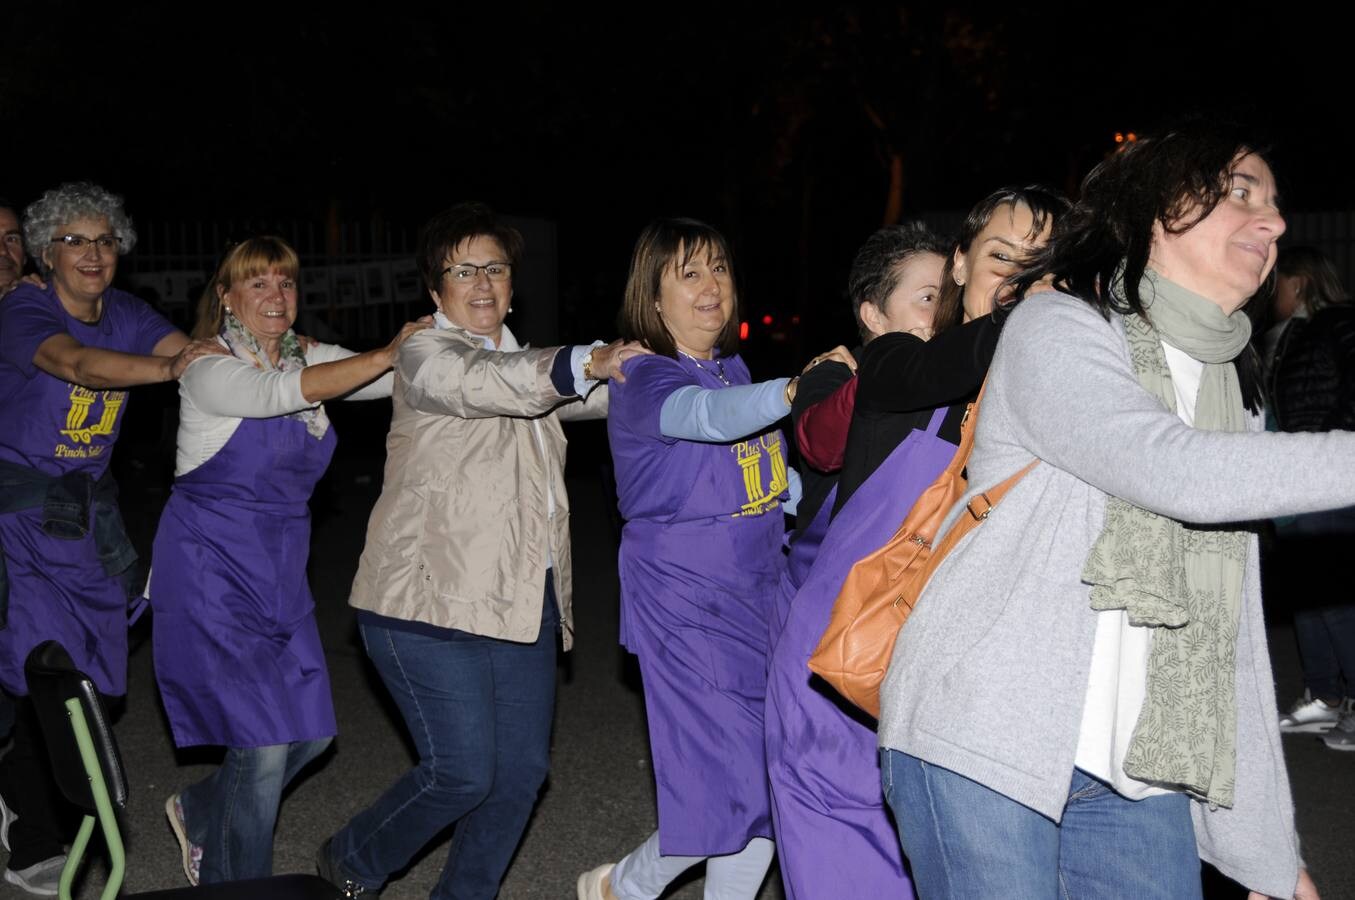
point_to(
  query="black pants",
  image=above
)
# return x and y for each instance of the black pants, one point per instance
(46, 821)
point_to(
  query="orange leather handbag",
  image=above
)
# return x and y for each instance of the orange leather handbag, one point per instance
(882, 589)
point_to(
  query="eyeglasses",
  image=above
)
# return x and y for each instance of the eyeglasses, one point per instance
(80, 242)
(495, 271)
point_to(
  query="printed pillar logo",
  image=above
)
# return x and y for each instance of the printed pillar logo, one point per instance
(750, 455)
(78, 429)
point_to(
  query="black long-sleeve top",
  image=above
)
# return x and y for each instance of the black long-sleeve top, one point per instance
(902, 379)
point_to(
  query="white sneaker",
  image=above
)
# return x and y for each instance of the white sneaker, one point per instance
(1309, 716)
(40, 879)
(7, 818)
(590, 882)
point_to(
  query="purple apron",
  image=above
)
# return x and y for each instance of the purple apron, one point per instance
(59, 591)
(698, 578)
(834, 837)
(237, 650)
(803, 551)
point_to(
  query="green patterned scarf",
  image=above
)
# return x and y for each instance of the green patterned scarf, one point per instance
(245, 346)
(1183, 580)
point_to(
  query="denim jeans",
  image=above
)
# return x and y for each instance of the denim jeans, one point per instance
(964, 840)
(479, 712)
(231, 813)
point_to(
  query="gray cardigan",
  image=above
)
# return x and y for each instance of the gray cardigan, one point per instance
(989, 675)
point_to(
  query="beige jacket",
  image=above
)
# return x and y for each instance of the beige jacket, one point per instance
(459, 536)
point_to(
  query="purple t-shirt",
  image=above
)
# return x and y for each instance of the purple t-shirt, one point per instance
(49, 424)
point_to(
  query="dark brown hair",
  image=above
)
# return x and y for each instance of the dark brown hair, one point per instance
(453, 226)
(880, 262)
(1045, 207)
(1321, 282)
(664, 245)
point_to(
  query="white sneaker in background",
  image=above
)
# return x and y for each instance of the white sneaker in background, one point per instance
(40, 879)
(1310, 716)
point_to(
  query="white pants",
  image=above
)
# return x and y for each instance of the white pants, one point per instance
(644, 873)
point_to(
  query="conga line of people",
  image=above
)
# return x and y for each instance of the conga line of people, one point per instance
(1081, 704)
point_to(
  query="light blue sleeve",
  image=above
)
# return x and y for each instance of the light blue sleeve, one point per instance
(691, 413)
(796, 492)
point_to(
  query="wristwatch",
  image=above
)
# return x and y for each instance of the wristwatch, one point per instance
(588, 366)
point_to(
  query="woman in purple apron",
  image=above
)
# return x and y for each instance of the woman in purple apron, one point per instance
(237, 650)
(834, 836)
(701, 481)
(67, 351)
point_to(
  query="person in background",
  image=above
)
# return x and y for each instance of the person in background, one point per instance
(11, 248)
(68, 352)
(893, 287)
(1313, 390)
(904, 379)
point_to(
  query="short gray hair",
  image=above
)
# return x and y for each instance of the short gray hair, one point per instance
(76, 200)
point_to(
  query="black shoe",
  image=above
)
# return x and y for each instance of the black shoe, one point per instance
(329, 870)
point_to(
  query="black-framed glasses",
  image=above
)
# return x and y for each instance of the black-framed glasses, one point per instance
(494, 271)
(80, 242)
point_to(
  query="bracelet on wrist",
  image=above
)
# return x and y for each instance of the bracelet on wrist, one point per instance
(790, 389)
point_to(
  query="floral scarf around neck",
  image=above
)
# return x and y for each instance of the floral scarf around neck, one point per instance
(244, 346)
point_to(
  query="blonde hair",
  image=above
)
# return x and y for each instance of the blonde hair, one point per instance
(255, 256)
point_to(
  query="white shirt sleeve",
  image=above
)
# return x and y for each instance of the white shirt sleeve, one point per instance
(216, 392)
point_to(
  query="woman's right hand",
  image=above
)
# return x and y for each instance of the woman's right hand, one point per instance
(838, 354)
(194, 350)
(390, 350)
(607, 360)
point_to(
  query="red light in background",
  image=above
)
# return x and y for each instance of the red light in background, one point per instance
(743, 331)
(767, 320)
(795, 320)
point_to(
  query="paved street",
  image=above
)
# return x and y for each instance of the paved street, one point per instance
(599, 800)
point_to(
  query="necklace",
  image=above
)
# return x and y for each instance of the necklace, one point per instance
(718, 371)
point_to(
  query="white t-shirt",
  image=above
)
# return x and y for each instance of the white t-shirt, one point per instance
(1119, 671)
(217, 392)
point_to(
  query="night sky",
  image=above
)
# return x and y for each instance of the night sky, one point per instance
(779, 125)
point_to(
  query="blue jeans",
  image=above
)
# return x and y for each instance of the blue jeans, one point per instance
(479, 712)
(231, 813)
(964, 840)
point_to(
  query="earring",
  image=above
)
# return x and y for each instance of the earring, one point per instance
(510, 309)
(228, 309)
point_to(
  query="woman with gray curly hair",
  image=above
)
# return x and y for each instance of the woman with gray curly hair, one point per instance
(68, 349)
